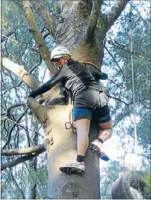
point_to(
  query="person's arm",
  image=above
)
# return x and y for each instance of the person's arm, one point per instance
(96, 72)
(44, 88)
(48, 85)
(103, 76)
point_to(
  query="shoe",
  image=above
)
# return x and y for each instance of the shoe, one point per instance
(74, 168)
(97, 148)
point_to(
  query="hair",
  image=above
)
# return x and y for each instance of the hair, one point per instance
(67, 57)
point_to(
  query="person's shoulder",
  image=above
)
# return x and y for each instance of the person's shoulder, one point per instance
(90, 64)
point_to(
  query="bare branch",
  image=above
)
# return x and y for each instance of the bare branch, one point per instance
(114, 61)
(20, 72)
(109, 19)
(116, 12)
(89, 35)
(26, 77)
(44, 51)
(47, 17)
(29, 150)
(20, 160)
(118, 99)
(121, 117)
(8, 112)
(23, 127)
(126, 49)
(4, 37)
(10, 132)
(39, 111)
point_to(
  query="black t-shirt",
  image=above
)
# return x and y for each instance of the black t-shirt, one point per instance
(74, 77)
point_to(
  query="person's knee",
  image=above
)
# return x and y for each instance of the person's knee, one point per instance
(109, 132)
(106, 125)
(105, 134)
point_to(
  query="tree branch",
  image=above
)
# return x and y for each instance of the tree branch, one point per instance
(44, 51)
(25, 128)
(10, 132)
(114, 61)
(21, 159)
(8, 111)
(115, 12)
(126, 49)
(47, 17)
(4, 37)
(21, 73)
(95, 12)
(39, 111)
(118, 99)
(107, 20)
(29, 150)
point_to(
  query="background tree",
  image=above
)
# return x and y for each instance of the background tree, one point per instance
(82, 26)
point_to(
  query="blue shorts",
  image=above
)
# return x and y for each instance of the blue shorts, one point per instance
(81, 113)
(100, 115)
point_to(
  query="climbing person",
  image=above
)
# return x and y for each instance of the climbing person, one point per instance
(89, 102)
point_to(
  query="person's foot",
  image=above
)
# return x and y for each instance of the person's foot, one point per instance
(97, 148)
(74, 168)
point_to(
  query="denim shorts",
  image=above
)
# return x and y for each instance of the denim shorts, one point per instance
(100, 115)
(81, 113)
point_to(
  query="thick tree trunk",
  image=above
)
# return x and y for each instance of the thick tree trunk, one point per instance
(62, 152)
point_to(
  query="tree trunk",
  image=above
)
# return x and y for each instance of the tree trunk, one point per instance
(62, 152)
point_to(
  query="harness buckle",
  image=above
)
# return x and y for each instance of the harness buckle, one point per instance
(68, 125)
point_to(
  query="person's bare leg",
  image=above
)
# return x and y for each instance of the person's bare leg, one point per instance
(82, 127)
(78, 166)
(104, 134)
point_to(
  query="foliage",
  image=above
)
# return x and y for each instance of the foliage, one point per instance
(119, 47)
(147, 180)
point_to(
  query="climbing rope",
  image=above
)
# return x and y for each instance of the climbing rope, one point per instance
(133, 91)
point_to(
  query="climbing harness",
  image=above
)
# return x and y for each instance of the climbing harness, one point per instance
(70, 123)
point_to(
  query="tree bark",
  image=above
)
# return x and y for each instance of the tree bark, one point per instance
(47, 17)
(21, 73)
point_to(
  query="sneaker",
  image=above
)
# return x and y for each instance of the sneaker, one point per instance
(97, 148)
(74, 168)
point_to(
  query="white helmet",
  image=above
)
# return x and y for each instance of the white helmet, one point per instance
(59, 52)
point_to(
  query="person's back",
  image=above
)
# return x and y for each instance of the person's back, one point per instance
(78, 77)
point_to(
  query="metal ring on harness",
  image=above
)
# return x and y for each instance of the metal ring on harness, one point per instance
(68, 125)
